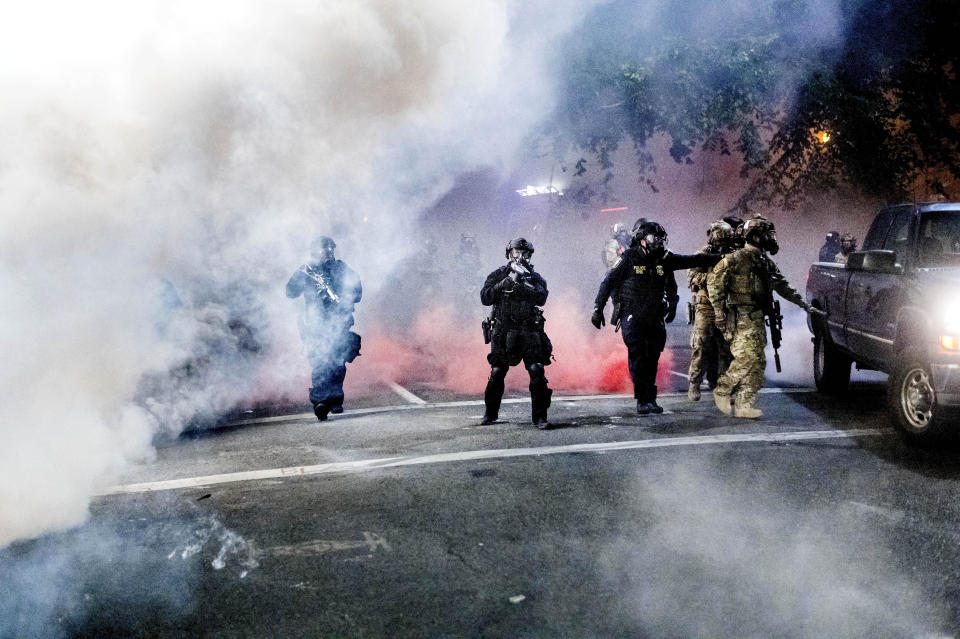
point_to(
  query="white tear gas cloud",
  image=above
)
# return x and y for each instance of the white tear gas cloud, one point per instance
(164, 167)
(60, 585)
(728, 554)
(166, 164)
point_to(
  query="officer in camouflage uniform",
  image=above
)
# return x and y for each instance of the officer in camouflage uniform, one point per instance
(738, 287)
(709, 352)
(644, 276)
(614, 247)
(516, 332)
(848, 244)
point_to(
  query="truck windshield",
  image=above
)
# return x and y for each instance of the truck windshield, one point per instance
(939, 241)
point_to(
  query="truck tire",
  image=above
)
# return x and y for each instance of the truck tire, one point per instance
(912, 401)
(831, 369)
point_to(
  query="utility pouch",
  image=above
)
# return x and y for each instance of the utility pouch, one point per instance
(538, 319)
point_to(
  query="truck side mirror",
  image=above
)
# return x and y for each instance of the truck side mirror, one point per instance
(874, 261)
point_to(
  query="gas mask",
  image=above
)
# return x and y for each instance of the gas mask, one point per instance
(323, 250)
(519, 255)
(769, 243)
(653, 244)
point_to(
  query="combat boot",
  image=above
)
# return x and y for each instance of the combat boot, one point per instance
(643, 408)
(722, 402)
(693, 393)
(746, 410)
(488, 419)
(320, 410)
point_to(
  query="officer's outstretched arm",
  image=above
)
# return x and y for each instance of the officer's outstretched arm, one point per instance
(780, 284)
(677, 262)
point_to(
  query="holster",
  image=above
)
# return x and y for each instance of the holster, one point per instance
(487, 326)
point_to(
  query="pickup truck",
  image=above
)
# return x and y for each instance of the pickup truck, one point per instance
(895, 307)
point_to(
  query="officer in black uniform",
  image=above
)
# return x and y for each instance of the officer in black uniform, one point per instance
(330, 289)
(648, 298)
(515, 330)
(830, 248)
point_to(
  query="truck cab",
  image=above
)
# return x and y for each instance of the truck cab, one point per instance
(895, 307)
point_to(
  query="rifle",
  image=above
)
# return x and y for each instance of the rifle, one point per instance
(771, 308)
(323, 286)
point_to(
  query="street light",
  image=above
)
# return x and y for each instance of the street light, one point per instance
(531, 191)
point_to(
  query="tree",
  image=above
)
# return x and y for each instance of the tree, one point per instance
(873, 106)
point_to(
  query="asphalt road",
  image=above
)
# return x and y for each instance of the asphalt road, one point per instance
(407, 519)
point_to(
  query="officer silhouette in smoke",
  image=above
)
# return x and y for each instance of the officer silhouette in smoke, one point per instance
(330, 289)
(830, 248)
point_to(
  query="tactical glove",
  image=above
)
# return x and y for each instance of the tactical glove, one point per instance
(720, 322)
(670, 314)
(597, 318)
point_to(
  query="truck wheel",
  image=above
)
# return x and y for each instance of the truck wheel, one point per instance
(912, 401)
(831, 369)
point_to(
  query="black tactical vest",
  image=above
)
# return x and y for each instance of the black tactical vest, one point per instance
(516, 310)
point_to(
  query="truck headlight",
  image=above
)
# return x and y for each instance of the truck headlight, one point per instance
(951, 315)
(950, 336)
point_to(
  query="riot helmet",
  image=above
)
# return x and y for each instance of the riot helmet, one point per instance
(651, 236)
(761, 232)
(636, 226)
(518, 248)
(721, 236)
(322, 249)
(736, 223)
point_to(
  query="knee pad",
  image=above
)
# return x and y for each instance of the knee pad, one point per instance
(498, 372)
(536, 371)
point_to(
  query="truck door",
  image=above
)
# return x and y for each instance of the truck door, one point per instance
(873, 297)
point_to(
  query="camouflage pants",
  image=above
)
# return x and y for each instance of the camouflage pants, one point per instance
(744, 377)
(709, 352)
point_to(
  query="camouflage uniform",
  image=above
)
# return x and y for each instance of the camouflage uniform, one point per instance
(737, 287)
(709, 352)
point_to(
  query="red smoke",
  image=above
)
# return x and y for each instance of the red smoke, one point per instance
(447, 352)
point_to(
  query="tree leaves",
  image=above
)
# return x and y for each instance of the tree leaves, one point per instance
(886, 97)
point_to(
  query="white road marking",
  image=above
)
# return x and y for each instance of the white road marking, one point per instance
(370, 543)
(479, 402)
(404, 393)
(473, 455)
(679, 374)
